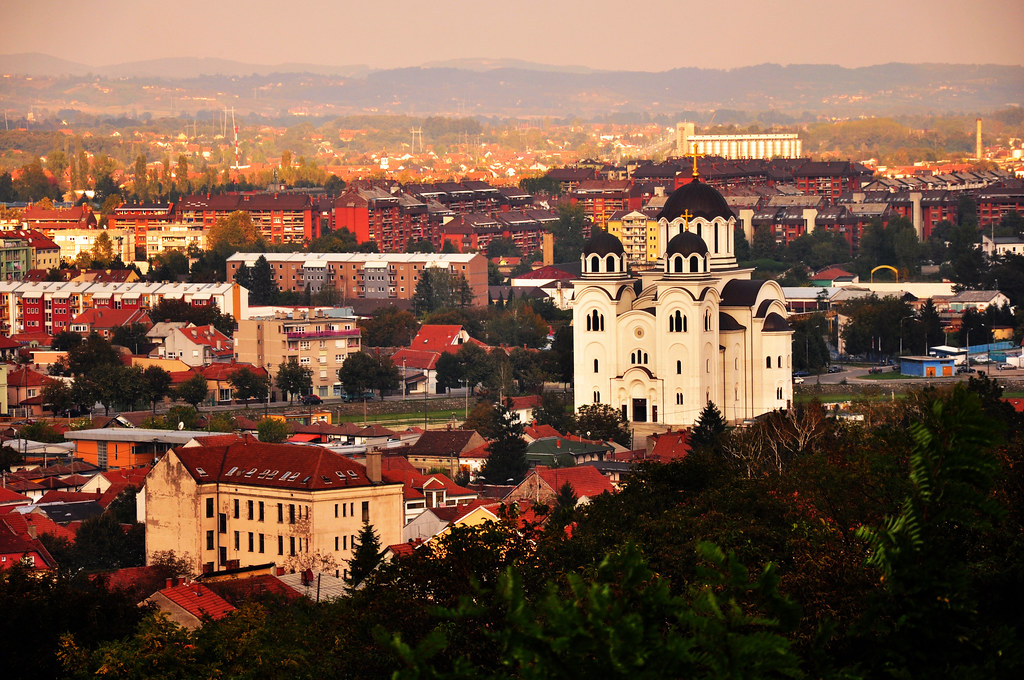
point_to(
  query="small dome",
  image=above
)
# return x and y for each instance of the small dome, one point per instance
(698, 200)
(602, 243)
(686, 243)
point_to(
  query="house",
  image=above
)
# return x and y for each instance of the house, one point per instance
(188, 603)
(435, 521)
(104, 320)
(542, 484)
(21, 547)
(667, 446)
(116, 448)
(426, 348)
(550, 450)
(248, 502)
(10, 499)
(421, 491)
(24, 390)
(978, 300)
(198, 345)
(442, 449)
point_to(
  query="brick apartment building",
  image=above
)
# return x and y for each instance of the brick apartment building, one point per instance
(281, 217)
(359, 276)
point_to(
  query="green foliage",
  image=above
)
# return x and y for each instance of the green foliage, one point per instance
(506, 460)
(156, 384)
(602, 422)
(248, 384)
(272, 430)
(810, 353)
(555, 409)
(8, 458)
(873, 321)
(709, 428)
(192, 391)
(293, 378)
(440, 289)
(389, 327)
(40, 431)
(57, 396)
(235, 233)
(568, 233)
(177, 309)
(365, 556)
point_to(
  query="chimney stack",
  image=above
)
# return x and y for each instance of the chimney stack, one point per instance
(373, 465)
(978, 152)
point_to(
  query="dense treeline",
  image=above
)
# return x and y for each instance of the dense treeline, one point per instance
(802, 546)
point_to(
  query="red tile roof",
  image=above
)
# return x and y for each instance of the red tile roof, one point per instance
(25, 377)
(219, 344)
(68, 497)
(436, 338)
(585, 479)
(11, 497)
(830, 273)
(415, 358)
(109, 318)
(198, 600)
(7, 343)
(671, 446)
(224, 371)
(252, 463)
(541, 432)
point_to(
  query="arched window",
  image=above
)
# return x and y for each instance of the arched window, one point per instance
(609, 264)
(715, 227)
(780, 362)
(676, 322)
(597, 397)
(595, 263)
(694, 264)
(736, 363)
(595, 321)
(768, 362)
(595, 366)
(707, 320)
(645, 357)
(684, 324)
(632, 357)
(677, 265)
(589, 327)
(699, 231)
(679, 367)
(707, 365)
(679, 398)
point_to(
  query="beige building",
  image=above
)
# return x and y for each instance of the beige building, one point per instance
(639, 235)
(250, 503)
(162, 238)
(315, 338)
(74, 241)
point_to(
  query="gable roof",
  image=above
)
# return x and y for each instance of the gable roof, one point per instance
(444, 442)
(436, 337)
(289, 466)
(585, 480)
(198, 600)
(108, 317)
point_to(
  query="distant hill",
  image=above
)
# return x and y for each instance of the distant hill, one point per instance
(505, 87)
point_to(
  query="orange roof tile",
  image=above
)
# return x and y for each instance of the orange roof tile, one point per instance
(198, 600)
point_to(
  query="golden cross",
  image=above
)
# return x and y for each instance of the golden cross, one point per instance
(695, 156)
(686, 219)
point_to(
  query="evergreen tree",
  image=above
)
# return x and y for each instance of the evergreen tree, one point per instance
(506, 462)
(264, 289)
(365, 556)
(710, 426)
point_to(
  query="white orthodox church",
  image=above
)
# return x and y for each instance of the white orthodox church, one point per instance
(661, 344)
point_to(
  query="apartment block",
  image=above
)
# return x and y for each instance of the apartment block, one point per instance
(316, 338)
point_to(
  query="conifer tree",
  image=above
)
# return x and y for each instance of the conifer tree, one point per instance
(365, 556)
(710, 426)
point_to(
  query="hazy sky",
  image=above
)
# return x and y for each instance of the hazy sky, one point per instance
(653, 36)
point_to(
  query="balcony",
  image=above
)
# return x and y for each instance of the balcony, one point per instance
(324, 334)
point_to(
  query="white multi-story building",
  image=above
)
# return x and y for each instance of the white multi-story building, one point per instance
(782, 145)
(660, 345)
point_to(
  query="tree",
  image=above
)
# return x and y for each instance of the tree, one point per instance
(264, 289)
(555, 409)
(65, 340)
(57, 162)
(810, 353)
(132, 336)
(506, 458)
(92, 352)
(193, 391)
(141, 178)
(247, 384)
(57, 395)
(365, 556)
(102, 251)
(389, 327)
(601, 422)
(156, 385)
(448, 371)
(440, 289)
(293, 378)
(273, 430)
(102, 543)
(568, 233)
(709, 427)
(362, 372)
(234, 233)
(33, 184)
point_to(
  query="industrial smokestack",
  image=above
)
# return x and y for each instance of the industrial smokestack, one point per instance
(977, 153)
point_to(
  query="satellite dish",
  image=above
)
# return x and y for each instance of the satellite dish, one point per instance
(181, 425)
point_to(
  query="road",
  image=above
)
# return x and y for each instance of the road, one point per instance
(854, 375)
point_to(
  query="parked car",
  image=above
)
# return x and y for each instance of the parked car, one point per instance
(966, 369)
(797, 380)
(800, 374)
(835, 369)
(1006, 367)
(310, 400)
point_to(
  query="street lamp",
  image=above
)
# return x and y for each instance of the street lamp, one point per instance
(901, 332)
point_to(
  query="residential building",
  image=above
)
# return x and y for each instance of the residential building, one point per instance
(50, 220)
(72, 242)
(15, 258)
(443, 449)
(19, 544)
(1002, 245)
(281, 217)
(182, 238)
(139, 219)
(248, 503)
(423, 491)
(24, 390)
(543, 484)
(658, 346)
(359, 276)
(316, 338)
(45, 253)
(197, 346)
(830, 178)
(601, 199)
(104, 320)
(188, 604)
(116, 448)
(638, 233)
(49, 307)
(784, 145)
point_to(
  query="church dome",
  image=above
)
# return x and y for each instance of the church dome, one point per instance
(686, 243)
(698, 200)
(602, 243)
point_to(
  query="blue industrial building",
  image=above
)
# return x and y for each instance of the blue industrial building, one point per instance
(927, 367)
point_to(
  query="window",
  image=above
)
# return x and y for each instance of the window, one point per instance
(248, 507)
(780, 362)
(335, 512)
(366, 511)
(280, 513)
(344, 509)
(595, 366)
(261, 542)
(597, 397)
(291, 513)
(209, 539)
(209, 507)
(679, 367)
(291, 545)
(676, 322)
(280, 545)
(679, 398)
(237, 503)
(261, 513)
(250, 541)
(344, 542)
(237, 543)
(222, 523)
(767, 362)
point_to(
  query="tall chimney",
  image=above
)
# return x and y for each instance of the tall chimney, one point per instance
(977, 142)
(373, 465)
